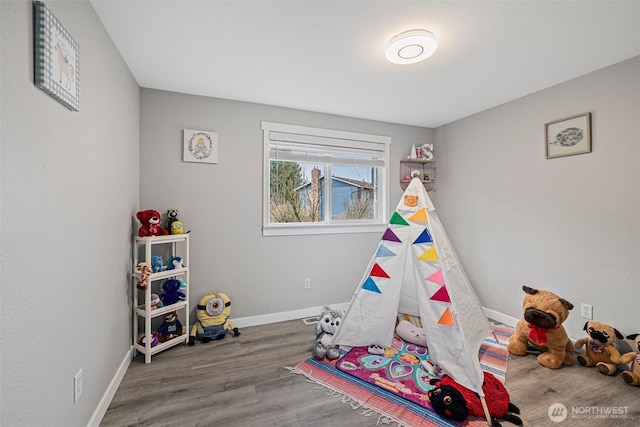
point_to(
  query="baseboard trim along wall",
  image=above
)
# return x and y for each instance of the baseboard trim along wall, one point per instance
(98, 414)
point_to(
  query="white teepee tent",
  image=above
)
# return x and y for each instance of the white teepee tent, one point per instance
(415, 271)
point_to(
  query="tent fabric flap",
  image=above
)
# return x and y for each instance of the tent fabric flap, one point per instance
(414, 270)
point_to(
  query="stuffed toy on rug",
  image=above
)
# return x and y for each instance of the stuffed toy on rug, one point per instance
(600, 349)
(456, 402)
(411, 333)
(213, 321)
(632, 376)
(150, 221)
(541, 327)
(325, 329)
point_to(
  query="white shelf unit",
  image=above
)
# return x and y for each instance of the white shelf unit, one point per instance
(169, 246)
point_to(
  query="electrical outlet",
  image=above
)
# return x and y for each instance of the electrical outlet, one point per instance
(586, 311)
(307, 283)
(77, 386)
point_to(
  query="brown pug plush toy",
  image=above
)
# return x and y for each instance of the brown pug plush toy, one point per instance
(541, 327)
(599, 348)
(632, 376)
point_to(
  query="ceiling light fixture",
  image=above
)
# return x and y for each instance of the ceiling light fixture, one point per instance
(411, 47)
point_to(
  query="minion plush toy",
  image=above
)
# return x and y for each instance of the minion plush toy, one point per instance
(213, 321)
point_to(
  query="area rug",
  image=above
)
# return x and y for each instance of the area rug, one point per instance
(389, 405)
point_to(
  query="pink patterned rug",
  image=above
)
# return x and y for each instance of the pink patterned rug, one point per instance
(392, 387)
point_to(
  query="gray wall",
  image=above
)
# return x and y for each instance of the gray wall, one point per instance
(222, 204)
(70, 185)
(571, 224)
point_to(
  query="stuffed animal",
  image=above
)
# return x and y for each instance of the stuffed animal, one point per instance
(172, 294)
(600, 349)
(170, 327)
(213, 321)
(172, 216)
(411, 333)
(175, 262)
(156, 263)
(155, 302)
(541, 327)
(150, 220)
(325, 329)
(632, 376)
(142, 341)
(144, 270)
(456, 402)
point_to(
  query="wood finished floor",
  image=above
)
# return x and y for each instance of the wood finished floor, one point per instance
(242, 382)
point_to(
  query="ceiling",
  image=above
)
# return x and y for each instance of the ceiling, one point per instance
(328, 56)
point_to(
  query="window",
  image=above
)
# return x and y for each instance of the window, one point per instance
(319, 181)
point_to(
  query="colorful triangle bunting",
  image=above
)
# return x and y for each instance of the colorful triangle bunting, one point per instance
(424, 237)
(383, 251)
(436, 277)
(447, 318)
(390, 236)
(420, 216)
(429, 255)
(370, 285)
(397, 219)
(441, 295)
(377, 271)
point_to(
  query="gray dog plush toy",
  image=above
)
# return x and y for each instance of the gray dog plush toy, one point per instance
(325, 328)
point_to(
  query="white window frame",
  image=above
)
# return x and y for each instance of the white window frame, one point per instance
(292, 133)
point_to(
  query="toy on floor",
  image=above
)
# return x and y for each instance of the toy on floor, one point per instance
(325, 329)
(171, 294)
(411, 333)
(156, 263)
(632, 376)
(456, 402)
(150, 220)
(144, 270)
(213, 321)
(541, 327)
(600, 349)
(170, 327)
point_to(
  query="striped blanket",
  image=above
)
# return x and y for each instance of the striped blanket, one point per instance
(377, 397)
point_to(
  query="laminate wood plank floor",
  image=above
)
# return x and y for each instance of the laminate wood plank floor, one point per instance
(242, 382)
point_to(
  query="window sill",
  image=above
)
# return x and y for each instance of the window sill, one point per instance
(306, 229)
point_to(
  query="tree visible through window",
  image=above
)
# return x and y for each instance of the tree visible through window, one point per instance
(323, 181)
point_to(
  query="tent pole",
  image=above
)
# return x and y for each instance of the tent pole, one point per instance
(486, 410)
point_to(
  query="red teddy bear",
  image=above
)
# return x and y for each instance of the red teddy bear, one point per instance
(150, 220)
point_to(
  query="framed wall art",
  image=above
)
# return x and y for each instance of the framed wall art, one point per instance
(200, 146)
(567, 137)
(56, 58)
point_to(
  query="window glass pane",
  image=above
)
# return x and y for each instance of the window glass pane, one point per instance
(353, 193)
(296, 192)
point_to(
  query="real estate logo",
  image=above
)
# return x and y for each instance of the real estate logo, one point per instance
(557, 412)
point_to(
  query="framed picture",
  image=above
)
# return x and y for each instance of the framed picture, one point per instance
(200, 146)
(568, 136)
(56, 58)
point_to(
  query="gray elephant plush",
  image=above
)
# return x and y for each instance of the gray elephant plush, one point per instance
(325, 328)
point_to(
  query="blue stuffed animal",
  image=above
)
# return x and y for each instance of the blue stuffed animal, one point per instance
(172, 294)
(156, 264)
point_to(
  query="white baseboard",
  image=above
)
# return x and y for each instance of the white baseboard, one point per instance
(265, 319)
(500, 317)
(98, 414)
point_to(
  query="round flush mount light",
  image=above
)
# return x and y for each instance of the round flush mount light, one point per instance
(411, 47)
